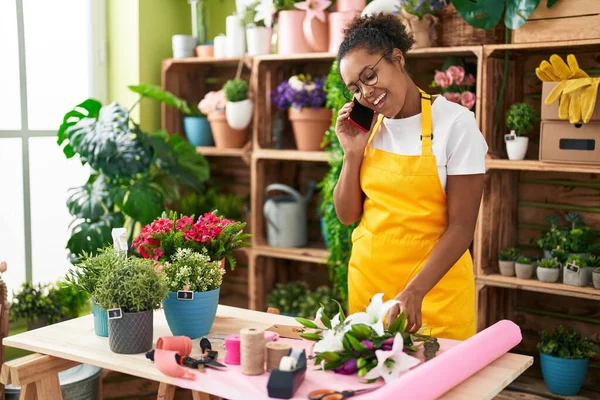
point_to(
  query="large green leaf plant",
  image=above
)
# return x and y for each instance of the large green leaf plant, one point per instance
(135, 175)
(486, 14)
(338, 235)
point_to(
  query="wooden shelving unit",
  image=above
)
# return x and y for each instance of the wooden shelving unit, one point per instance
(508, 192)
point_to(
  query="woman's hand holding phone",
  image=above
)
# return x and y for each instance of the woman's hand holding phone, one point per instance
(352, 139)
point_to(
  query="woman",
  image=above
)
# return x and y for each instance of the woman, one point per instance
(415, 182)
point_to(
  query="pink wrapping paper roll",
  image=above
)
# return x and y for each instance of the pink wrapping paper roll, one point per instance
(180, 344)
(452, 367)
(166, 363)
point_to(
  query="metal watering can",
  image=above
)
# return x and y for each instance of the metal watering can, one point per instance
(286, 216)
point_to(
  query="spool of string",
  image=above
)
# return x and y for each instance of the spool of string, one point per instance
(232, 347)
(275, 352)
(252, 344)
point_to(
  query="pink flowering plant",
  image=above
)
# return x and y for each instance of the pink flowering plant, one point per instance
(210, 234)
(361, 344)
(212, 101)
(456, 84)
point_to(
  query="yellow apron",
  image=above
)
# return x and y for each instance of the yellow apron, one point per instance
(404, 216)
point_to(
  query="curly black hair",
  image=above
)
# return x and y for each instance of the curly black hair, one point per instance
(376, 33)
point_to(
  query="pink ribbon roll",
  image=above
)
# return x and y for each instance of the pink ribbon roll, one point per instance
(180, 344)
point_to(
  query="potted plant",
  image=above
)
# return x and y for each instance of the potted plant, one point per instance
(457, 82)
(219, 237)
(506, 262)
(288, 297)
(323, 296)
(520, 119)
(596, 278)
(548, 270)
(574, 272)
(419, 17)
(258, 30)
(239, 107)
(130, 291)
(304, 98)
(85, 275)
(524, 268)
(594, 268)
(552, 239)
(564, 355)
(213, 105)
(193, 281)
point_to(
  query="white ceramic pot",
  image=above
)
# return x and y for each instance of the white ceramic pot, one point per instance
(236, 36)
(516, 146)
(258, 39)
(507, 268)
(524, 271)
(548, 274)
(239, 113)
(183, 46)
(596, 278)
(220, 44)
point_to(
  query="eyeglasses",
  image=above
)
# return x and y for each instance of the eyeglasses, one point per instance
(368, 76)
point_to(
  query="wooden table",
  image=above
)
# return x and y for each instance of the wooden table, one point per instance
(65, 345)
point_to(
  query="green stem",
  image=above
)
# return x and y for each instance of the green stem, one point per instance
(562, 316)
(559, 206)
(560, 182)
(135, 104)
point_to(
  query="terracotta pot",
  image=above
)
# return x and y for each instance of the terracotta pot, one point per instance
(224, 135)
(421, 29)
(309, 125)
(205, 50)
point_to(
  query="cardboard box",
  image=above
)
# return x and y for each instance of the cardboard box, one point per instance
(550, 113)
(564, 142)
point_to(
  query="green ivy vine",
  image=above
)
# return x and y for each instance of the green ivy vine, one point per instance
(338, 235)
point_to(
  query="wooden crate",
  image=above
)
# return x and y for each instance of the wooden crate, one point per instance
(566, 20)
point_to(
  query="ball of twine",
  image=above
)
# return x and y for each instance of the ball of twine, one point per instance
(253, 351)
(275, 352)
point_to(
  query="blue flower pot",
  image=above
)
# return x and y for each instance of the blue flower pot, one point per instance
(191, 318)
(563, 376)
(100, 320)
(197, 131)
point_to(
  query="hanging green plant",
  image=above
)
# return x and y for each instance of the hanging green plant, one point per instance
(486, 14)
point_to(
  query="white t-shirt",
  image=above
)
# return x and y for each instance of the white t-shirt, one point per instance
(458, 145)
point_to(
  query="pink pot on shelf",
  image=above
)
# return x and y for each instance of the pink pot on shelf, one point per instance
(337, 23)
(316, 33)
(291, 39)
(350, 5)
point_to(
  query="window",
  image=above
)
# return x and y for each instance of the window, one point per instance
(52, 58)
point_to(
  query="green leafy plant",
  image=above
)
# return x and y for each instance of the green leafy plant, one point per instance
(323, 296)
(84, 276)
(250, 14)
(578, 260)
(338, 235)
(554, 238)
(485, 14)
(288, 297)
(524, 260)
(236, 90)
(156, 93)
(509, 254)
(133, 285)
(593, 261)
(521, 117)
(285, 5)
(194, 270)
(548, 263)
(560, 254)
(566, 343)
(135, 175)
(230, 205)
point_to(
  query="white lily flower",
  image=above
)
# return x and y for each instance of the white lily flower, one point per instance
(265, 11)
(393, 363)
(331, 341)
(317, 319)
(376, 311)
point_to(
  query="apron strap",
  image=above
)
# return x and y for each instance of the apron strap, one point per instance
(375, 128)
(426, 126)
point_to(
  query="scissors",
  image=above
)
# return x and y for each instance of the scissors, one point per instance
(329, 394)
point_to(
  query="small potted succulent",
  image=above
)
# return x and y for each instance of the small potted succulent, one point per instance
(193, 281)
(521, 119)
(552, 239)
(213, 105)
(130, 291)
(259, 30)
(506, 262)
(564, 355)
(304, 98)
(594, 267)
(420, 19)
(548, 270)
(524, 268)
(288, 297)
(239, 107)
(85, 275)
(574, 271)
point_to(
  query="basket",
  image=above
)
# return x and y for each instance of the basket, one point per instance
(455, 31)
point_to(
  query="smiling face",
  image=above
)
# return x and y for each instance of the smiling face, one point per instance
(385, 91)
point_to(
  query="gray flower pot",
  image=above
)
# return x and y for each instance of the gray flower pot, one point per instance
(524, 271)
(548, 274)
(596, 278)
(507, 268)
(575, 278)
(131, 334)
